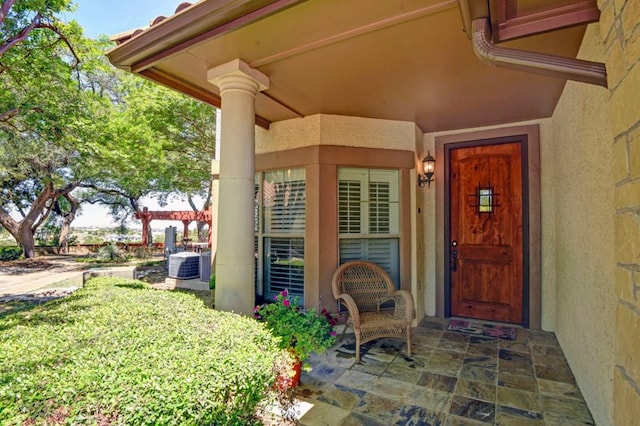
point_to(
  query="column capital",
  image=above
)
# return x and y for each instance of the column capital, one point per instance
(237, 75)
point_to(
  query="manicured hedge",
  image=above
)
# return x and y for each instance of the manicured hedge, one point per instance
(119, 352)
(10, 253)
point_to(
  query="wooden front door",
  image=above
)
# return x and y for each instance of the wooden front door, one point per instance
(486, 232)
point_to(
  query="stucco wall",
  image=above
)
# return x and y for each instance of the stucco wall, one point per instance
(620, 31)
(582, 215)
(288, 134)
(431, 240)
(322, 129)
(547, 225)
(425, 235)
(398, 139)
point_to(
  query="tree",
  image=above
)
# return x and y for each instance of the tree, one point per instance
(36, 166)
(46, 114)
(19, 18)
(19, 21)
(188, 127)
(65, 208)
(70, 120)
(169, 142)
(133, 160)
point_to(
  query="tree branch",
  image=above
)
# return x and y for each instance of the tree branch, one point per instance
(102, 201)
(36, 23)
(22, 35)
(192, 203)
(207, 201)
(66, 189)
(8, 114)
(8, 223)
(4, 10)
(106, 191)
(43, 217)
(73, 202)
(135, 205)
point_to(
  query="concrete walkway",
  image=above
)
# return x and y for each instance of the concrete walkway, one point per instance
(67, 270)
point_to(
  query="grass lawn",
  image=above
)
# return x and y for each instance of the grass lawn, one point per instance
(119, 352)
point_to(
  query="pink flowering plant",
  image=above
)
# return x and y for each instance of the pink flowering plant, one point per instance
(301, 331)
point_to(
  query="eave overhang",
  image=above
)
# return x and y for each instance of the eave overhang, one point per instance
(404, 60)
(139, 50)
(194, 24)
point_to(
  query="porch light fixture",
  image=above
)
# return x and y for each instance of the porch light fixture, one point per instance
(428, 168)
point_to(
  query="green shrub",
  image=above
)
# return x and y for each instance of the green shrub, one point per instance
(152, 263)
(49, 235)
(10, 253)
(142, 253)
(111, 253)
(119, 352)
(107, 254)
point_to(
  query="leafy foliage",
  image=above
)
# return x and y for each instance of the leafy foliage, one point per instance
(10, 253)
(49, 235)
(118, 352)
(46, 116)
(70, 120)
(111, 253)
(19, 18)
(161, 144)
(301, 331)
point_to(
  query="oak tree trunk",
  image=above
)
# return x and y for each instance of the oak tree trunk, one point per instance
(63, 240)
(26, 241)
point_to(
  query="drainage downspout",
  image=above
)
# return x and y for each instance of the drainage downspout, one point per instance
(550, 65)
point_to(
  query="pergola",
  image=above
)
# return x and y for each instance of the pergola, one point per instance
(185, 216)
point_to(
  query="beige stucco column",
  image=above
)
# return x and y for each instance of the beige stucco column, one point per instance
(215, 190)
(238, 85)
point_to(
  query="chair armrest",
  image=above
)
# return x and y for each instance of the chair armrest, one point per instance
(384, 300)
(351, 307)
(404, 305)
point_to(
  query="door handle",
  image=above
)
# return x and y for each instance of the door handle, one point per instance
(454, 256)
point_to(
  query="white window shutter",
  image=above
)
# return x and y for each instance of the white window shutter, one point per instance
(284, 217)
(368, 217)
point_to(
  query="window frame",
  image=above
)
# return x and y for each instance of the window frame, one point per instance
(365, 214)
(261, 233)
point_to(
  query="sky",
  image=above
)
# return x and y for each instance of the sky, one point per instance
(110, 17)
(116, 16)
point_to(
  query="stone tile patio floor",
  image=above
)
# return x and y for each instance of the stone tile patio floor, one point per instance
(451, 379)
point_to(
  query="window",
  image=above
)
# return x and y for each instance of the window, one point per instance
(485, 204)
(280, 228)
(485, 199)
(368, 217)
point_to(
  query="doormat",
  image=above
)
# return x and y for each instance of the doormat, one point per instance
(488, 330)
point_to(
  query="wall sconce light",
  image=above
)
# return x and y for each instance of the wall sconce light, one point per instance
(429, 168)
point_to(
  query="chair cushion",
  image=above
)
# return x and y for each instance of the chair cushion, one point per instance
(378, 320)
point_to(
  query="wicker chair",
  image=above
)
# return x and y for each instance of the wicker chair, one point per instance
(363, 287)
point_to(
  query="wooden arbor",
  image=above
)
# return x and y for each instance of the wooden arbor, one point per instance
(185, 216)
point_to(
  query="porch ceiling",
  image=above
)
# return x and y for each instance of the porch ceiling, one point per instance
(400, 60)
